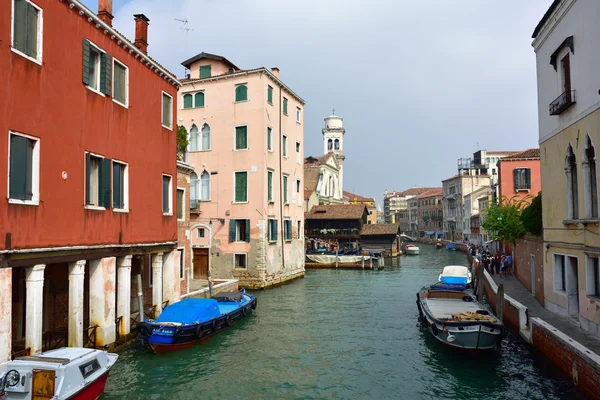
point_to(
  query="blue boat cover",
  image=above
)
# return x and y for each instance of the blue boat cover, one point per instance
(188, 311)
(450, 246)
(444, 286)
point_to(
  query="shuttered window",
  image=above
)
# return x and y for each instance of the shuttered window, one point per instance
(26, 29)
(120, 82)
(241, 187)
(205, 71)
(284, 144)
(21, 168)
(119, 189)
(167, 111)
(270, 185)
(199, 99)
(97, 68)
(272, 230)
(285, 104)
(180, 193)
(166, 194)
(239, 230)
(287, 229)
(270, 95)
(285, 188)
(522, 178)
(241, 137)
(241, 93)
(187, 101)
(269, 139)
(97, 185)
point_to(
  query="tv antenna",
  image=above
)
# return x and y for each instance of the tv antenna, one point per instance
(184, 26)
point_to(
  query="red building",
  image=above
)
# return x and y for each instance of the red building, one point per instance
(88, 139)
(519, 175)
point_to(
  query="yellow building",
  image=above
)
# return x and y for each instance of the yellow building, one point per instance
(351, 198)
(569, 115)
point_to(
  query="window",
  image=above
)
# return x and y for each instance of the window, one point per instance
(287, 229)
(188, 101)
(27, 29)
(97, 185)
(565, 64)
(522, 178)
(205, 71)
(284, 144)
(593, 277)
(241, 138)
(180, 203)
(298, 186)
(298, 154)
(270, 185)
(299, 229)
(572, 196)
(272, 230)
(167, 201)
(285, 101)
(285, 189)
(241, 93)
(205, 137)
(329, 144)
(201, 232)
(194, 189)
(194, 137)
(96, 68)
(205, 186)
(24, 169)
(298, 114)
(200, 140)
(199, 100)
(241, 260)
(167, 111)
(181, 264)
(270, 95)
(120, 83)
(241, 187)
(269, 139)
(196, 100)
(560, 274)
(590, 179)
(120, 186)
(239, 230)
(337, 144)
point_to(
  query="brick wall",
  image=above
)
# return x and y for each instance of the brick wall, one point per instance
(183, 181)
(525, 248)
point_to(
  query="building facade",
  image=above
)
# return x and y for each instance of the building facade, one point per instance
(394, 202)
(351, 198)
(413, 216)
(246, 134)
(89, 183)
(519, 176)
(470, 210)
(431, 212)
(569, 113)
(484, 162)
(455, 190)
(322, 181)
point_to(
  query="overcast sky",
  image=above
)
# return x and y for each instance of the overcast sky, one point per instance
(419, 83)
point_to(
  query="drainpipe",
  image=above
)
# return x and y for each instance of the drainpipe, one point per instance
(281, 180)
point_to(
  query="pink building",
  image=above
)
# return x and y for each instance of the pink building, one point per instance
(519, 175)
(246, 138)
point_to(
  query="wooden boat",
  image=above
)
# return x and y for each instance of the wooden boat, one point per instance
(191, 321)
(69, 373)
(342, 259)
(439, 245)
(411, 250)
(455, 318)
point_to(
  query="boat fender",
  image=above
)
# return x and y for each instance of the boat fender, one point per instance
(467, 298)
(199, 331)
(143, 330)
(254, 304)
(244, 311)
(177, 331)
(434, 329)
(228, 320)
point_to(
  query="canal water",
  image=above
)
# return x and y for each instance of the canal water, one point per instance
(338, 334)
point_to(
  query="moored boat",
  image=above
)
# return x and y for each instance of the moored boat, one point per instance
(439, 245)
(68, 373)
(342, 259)
(454, 317)
(191, 321)
(450, 247)
(456, 275)
(411, 250)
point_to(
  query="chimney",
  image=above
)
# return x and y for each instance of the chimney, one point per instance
(275, 72)
(105, 11)
(141, 32)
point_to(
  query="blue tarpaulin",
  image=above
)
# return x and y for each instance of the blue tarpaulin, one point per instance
(188, 311)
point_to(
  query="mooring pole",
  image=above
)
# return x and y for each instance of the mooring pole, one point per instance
(140, 296)
(371, 262)
(336, 257)
(363, 262)
(480, 286)
(500, 302)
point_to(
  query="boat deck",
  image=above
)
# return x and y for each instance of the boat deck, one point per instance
(444, 308)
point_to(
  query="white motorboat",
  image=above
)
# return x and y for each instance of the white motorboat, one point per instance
(411, 250)
(330, 258)
(456, 275)
(69, 373)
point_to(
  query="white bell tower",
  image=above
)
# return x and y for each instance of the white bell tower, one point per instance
(333, 141)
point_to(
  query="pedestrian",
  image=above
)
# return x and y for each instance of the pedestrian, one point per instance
(486, 264)
(509, 263)
(497, 263)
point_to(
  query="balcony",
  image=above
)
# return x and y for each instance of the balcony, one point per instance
(194, 204)
(562, 103)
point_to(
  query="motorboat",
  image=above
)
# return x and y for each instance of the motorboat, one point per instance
(341, 259)
(191, 321)
(456, 275)
(68, 373)
(411, 250)
(439, 245)
(454, 317)
(450, 247)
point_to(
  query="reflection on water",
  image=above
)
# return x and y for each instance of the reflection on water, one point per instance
(338, 334)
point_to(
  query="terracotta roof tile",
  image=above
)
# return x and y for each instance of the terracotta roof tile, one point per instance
(430, 193)
(380, 229)
(311, 178)
(355, 197)
(529, 153)
(308, 193)
(337, 211)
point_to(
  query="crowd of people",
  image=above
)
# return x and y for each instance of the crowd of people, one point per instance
(499, 263)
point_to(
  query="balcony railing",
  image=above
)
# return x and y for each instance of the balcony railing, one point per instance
(562, 102)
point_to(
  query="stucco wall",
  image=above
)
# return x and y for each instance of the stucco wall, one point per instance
(506, 178)
(526, 249)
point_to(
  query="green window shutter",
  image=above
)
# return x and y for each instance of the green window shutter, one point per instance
(270, 185)
(275, 230)
(241, 183)
(285, 189)
(284, 144)
(528, 178)
(269, 139)
(199, 98)
(187, 101)
(205, 71)
(32, 31)
(18, 168)
(248, 230)
(104, 189)
(29, 169)
(116, 177)
(105, 73)
(516, 178)
(232, 230)
(166, 110)
(88, 189)
(180, 204)
(86, 62)
(270, 95)
(20, 25)
(241, 93)
(165, 194)
(285, 101)
(241, 137)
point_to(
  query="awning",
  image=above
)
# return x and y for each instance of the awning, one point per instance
(430, 233)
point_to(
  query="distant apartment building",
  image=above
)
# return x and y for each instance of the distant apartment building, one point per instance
(351, 198)
(568, 59)
(402, 219)
(454, 190)
(394, 202)
(519, 175)
(413, 216)
(430, 213)
(246, 134)
(470, 210)
(484, 162)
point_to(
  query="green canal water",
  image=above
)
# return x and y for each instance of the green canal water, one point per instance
(338, 335)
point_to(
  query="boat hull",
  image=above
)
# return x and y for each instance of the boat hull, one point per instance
(411, 251)
(92, 391)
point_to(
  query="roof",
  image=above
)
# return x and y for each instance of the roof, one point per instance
(527, 154)
(430, 193)
(308, 193)
(129, 45)
(545, 18)
(462, 176)
(311, 178)
(337, 211)
(500, 152)
(314, 161)
(187, 63)
(356, 197)
(379, 229)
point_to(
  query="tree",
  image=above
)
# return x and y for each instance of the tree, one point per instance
(532, 216)
(182, 142)
(503, 221)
